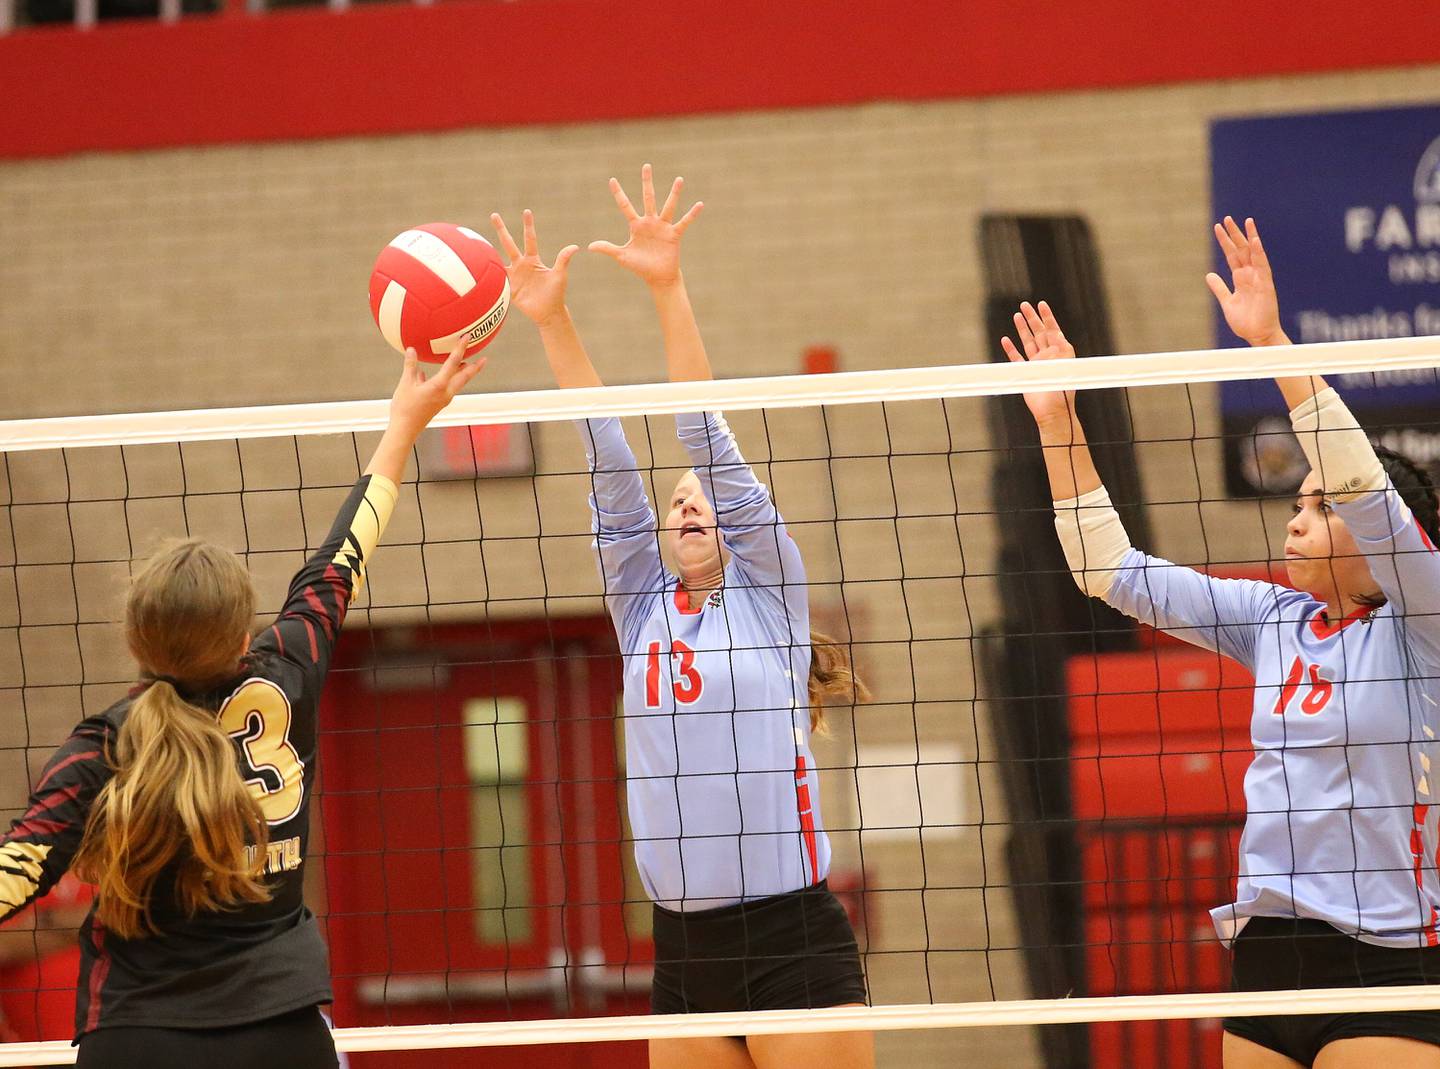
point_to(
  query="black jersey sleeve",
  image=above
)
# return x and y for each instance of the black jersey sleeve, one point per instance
(322, 590)
(41, 843)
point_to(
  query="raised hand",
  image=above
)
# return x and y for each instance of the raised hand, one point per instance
(538, 291)
(653, 251)
(1042, 339)
(1251, 309)
(418, 400)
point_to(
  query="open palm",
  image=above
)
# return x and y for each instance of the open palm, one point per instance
(653, 251)
(1251, 307)
(1042, 339)
(538, 291)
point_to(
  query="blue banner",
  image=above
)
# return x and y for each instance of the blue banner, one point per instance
(1348, 205)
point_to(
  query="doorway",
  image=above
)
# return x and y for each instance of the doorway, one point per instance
(476, 856)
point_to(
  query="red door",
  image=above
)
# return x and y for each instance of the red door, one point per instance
(475, 855)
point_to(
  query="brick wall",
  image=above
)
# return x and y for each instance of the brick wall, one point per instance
(238, 276)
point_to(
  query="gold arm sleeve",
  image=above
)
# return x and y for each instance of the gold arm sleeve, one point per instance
(20, 873)
(366, 527)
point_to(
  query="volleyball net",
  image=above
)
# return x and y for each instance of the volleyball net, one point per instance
(1030, 819)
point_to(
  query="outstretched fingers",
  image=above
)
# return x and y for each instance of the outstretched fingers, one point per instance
(455, 373)
(1233, 243)
(1052, 325)
(1218, 287)
(689, 217)
(1235, 233)
(1026, 336)
(1257, 248)
(507, 243)
(647, 189)
(564, 256)
(1035, 322)
(1009, 346)
(667, 213)
(1039, 332)
(626, 208)
(452, 362)
(532, 246)
(1227, 247)
(462, 378)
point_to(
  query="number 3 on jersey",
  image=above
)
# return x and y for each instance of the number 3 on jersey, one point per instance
(687, 683)
(258, 717)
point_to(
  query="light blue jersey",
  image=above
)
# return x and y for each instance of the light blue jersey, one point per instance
(723, 793)
(1341, 804)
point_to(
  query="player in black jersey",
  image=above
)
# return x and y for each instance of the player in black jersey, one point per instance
(187, 802)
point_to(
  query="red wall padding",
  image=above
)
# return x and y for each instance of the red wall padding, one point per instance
(394, 68)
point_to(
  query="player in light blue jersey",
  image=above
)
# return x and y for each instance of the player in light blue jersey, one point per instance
(724, 683)
(1338, 884)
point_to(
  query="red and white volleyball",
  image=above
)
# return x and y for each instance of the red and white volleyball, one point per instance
(436, 284)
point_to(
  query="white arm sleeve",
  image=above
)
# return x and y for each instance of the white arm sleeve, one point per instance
(1336, 447)
(1093, 538)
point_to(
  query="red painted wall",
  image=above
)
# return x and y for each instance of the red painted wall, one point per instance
(392, 68)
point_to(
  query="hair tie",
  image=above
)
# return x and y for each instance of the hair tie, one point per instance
(167, 679)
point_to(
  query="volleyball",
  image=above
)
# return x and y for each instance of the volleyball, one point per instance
(436, 284)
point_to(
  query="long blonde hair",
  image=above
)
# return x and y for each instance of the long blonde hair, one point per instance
(176, 794)
(833, 679)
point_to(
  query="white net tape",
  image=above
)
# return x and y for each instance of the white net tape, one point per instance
(796, 391)
(839, 1019)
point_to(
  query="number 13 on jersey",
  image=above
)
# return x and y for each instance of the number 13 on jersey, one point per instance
(685, 677)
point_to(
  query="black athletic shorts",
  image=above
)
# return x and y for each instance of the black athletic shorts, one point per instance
(791, 952)
(1276, 954)
(297, 1040)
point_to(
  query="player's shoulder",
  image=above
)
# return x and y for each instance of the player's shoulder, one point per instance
(1389, 620)
(108, 721)
(266, 664)
(1288, 599)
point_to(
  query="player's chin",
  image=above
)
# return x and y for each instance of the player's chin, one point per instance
(1300, 571)
(697, 553)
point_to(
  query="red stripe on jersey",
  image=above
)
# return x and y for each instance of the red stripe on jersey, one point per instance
(1417, 851)
(342, 587)
(279, 639)
(313, 600)
(53, 799)
(682, 601)
(314, 648)
(37, 827)
(1423, 536)
(1323, 628)
(98, 972)
(87, 755)
(807, 819)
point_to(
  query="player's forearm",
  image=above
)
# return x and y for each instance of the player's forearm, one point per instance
(685, 356)
(1296, 389)
(1089, 528)
(569, 361)
(1068, 462)
(392, 453)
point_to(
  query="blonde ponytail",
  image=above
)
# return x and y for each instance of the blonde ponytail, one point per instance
(176, 796)
(832, 678)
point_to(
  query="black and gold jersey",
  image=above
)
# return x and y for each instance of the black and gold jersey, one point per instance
(257, 960)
